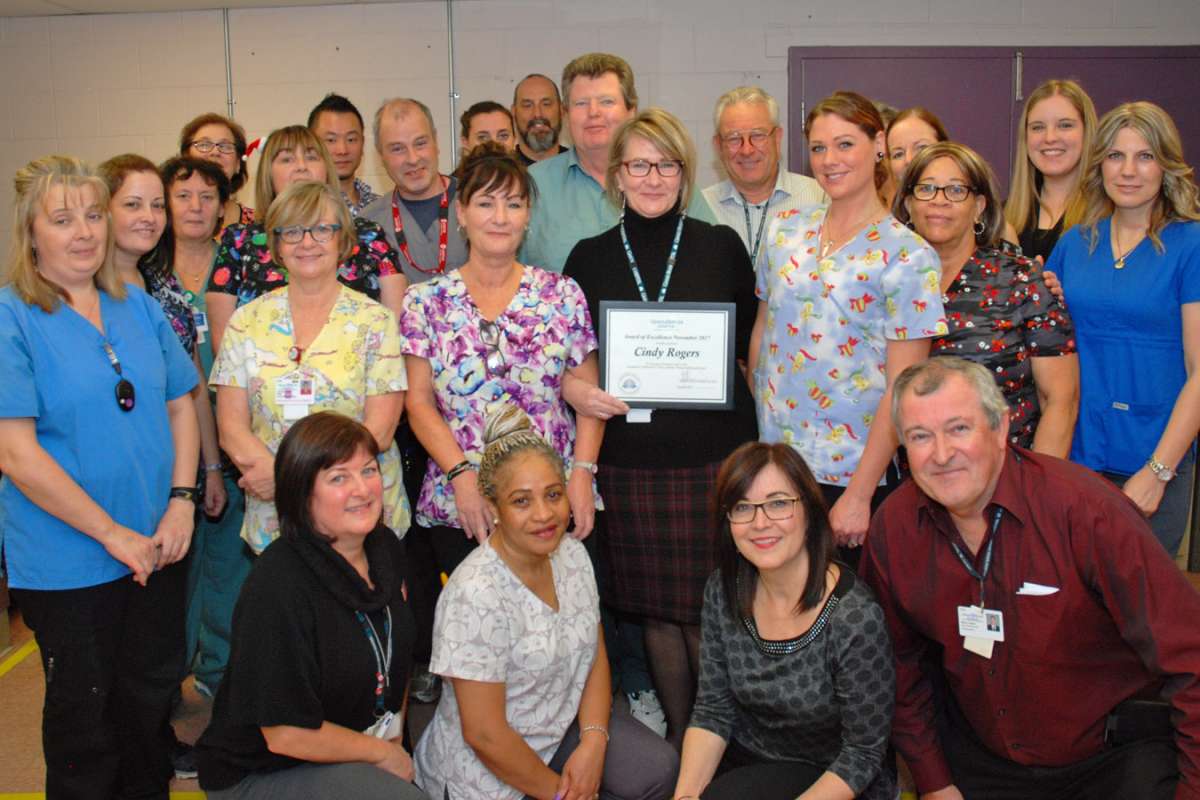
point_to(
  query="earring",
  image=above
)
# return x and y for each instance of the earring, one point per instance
(879, 156)
(979, 227)
(622, 205)
(462, 232)
(495, 520)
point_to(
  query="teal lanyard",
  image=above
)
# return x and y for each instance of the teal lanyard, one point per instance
(762, 222)
(637, 274)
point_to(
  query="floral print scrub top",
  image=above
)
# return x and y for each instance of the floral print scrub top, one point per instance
(820, 372)
(355, 355)
(243, 266)
(1001, 315)
(545, 331)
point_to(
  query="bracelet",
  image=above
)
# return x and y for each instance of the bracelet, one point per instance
(188, 493)
(599, 728)
(213, 467)
(588, 465)
(458, 469)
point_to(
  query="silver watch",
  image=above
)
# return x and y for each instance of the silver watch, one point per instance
(1160, 470)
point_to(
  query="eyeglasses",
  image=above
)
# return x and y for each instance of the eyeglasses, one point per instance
(125, 395)
(490, 333)
(294, 234)
(639, 168)
(777, 508)
(954, 192)
(224, 147)
(735, 140)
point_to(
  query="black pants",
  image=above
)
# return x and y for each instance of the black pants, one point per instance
(431, 551)
(850, 555)
(742, 775)
(1143, 770)
(112, 655)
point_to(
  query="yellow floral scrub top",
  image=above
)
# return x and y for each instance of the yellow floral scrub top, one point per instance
(355, 355)
(820, 372)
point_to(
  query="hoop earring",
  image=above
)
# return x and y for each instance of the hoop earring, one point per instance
(979, 227)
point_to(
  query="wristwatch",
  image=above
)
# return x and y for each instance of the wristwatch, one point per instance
(1160, 470)
(188, 493)
(588, 465)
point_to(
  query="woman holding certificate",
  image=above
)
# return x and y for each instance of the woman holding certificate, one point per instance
(655, 475)
(849, 298)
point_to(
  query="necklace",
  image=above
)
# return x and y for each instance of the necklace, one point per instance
(1119, 262)
(828, 241)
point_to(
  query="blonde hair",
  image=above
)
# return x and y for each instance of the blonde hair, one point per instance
(303, 203)
(508, 432)
(979, 177)
(595, 65)
(1178, 199)
(662, 129)
(281, 140)
(1026, 180)
(31, 184)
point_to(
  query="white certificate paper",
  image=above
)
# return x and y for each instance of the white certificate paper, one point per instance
(668, 355)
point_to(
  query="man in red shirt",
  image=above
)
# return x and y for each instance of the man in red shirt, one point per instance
(1035, 589)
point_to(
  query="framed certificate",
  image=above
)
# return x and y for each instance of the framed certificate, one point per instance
(668, 355)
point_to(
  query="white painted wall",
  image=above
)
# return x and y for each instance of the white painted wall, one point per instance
(98, 85)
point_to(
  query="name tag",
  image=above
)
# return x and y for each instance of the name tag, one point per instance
(981, 623)
(294, 393)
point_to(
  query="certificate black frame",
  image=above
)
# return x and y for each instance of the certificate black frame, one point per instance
(728, 310)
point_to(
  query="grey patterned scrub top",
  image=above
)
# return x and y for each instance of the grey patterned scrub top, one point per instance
(825, 697)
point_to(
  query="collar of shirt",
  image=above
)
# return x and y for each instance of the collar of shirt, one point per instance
(730, 193)
(1009, 494)
(366, 196)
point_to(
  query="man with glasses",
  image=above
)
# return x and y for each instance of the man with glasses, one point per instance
(1033, 591)
(337, 123)
(748, 141)
(571, 204)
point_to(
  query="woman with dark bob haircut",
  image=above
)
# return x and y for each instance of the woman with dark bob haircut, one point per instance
(796, 676)
(998, 308)
(313, 700)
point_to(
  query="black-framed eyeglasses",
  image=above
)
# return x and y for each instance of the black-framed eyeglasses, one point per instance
(223, 147)
(126, 397)
(735, 140)
(776, 508)
(640, 168)
(954, 192)
(490, 333)
(294, 234)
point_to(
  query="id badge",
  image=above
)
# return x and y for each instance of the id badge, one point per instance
(387, 727)
(981, 623)
(294, 393)
(201, 320)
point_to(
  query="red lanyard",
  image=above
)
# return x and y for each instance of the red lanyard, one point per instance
(443, 231)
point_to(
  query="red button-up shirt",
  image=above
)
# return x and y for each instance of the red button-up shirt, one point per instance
(1123, 619)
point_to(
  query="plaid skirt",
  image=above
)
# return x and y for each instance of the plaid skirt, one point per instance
(658, 539)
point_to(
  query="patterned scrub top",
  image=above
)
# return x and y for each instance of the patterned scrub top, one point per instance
(546, 330)
(244, 268)
(1001, 315)
(169, 295)
(820, 372)
(355, 355)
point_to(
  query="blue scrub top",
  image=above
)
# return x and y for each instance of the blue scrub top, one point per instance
(1129, 334)
(53, 369)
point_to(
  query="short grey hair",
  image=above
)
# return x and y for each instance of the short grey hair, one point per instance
(399, 107)
(928, 376)
(745, 94)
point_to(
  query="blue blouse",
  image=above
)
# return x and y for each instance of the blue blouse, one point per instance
(53, 369)
(1129, 333)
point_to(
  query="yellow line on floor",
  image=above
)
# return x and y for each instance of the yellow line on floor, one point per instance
(7, 664)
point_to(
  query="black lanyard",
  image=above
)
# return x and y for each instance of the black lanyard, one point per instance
(762, 222)
(383, 657)
(987, 556)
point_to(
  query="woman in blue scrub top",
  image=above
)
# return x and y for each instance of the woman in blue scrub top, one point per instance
(99, 448)
(1131, 273)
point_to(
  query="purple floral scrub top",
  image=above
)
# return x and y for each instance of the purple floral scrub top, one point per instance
(545, 331)
(820, 372)
(1001, 315)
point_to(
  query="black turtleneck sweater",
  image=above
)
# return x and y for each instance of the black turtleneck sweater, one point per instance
(712, 267)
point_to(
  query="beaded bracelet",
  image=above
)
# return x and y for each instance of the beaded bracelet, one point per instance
(599, 728)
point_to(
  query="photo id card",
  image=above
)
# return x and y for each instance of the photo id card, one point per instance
(294, 393)
(981, 623)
